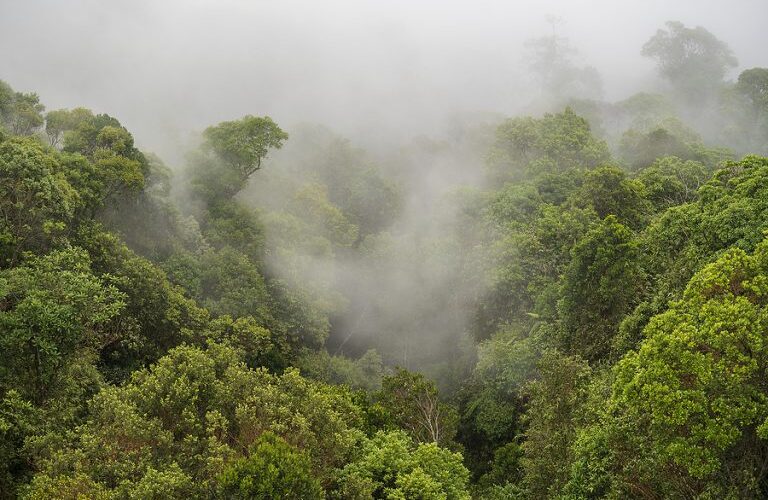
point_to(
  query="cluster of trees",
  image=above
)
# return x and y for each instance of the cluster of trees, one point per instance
(622, 331)
(184, 343)
(150, 353)
(694, 88)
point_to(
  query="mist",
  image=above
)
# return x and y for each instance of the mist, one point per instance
(376, 72)
(368, 249)
(413, 91)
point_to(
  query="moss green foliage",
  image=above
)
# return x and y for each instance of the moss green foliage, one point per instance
(149, 353)
(54, 308)
(390, 466)
(687, 411)
(556, 142)
(362, 373)
(36, 200)
(599, 286)
(220, 331)
(410, 401)
(195, 411)
(584, 262)
(244, 143)
(273, 470)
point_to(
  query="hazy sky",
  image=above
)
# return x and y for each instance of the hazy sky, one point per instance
(165, 68)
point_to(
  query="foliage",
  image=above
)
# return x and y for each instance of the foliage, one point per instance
(192, 413)
(36, 201)
(688, 408)
(51, 310)
(554, 401)
(273, 469)
(600, 286)
(671, 181)
(692, 59)
(607, 191)
(244, 143)
(411, 402)
(362, 373)
(390, 466)
(165, 337)
(526, 147)
(750, 111)
(21, 113)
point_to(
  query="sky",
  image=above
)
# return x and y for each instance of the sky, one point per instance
(167, 69)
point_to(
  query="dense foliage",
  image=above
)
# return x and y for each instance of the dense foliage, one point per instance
(222, 330)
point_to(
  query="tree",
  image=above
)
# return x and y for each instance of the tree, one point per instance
(692, 59)
(412, 403)
(257, 345)
(274, 469)
(688, 414)
(528, 147)
(600, 286)
(60, 121)
(244, 143)
(753, 84)
(641, 149)
(311, 204)
(193, 414)
(607, 191)
(18, 420)
(362, 373)
(559, 77)
(6, 103)
(90, 135)
(670, 181)
(51, 311)
(157, 316)
(554, 400)
(232, 284)
(27, 114)
(36, 201)
(21, 113)
(490, 421)
(390, 466)
(730, 209)
(752, 116)
(644, 111)
(98, 158)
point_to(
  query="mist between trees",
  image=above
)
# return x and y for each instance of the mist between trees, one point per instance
(553, 290)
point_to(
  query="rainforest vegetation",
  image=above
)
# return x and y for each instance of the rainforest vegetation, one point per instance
(581, 313)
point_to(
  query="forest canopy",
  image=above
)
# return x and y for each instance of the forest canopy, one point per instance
(567, 303)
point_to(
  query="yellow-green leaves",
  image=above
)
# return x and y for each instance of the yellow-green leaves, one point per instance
(35, 198)
(245, 143)
(695, 390)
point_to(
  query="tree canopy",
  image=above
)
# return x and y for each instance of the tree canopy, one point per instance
(571, 304)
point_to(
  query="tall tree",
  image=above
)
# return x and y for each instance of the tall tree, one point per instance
(688, 414)
(243, 144)
(551, 60)
(599, 287)
(693, 60)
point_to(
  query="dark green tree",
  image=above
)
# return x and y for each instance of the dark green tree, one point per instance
(36, 201)
(600, 286)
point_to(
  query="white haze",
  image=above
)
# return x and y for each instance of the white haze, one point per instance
(392, 76)
(383, 70)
